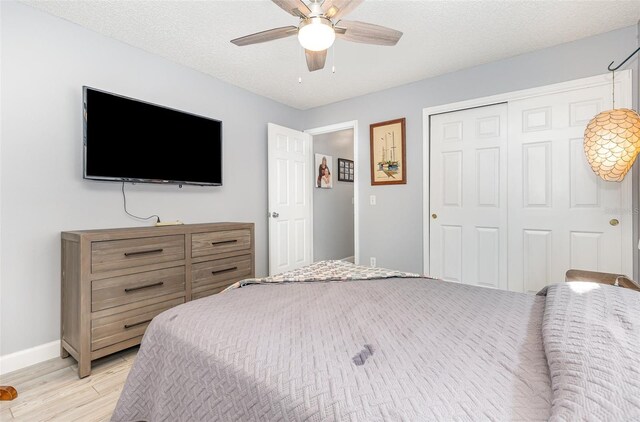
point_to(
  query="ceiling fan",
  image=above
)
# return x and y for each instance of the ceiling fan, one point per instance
(320, 23)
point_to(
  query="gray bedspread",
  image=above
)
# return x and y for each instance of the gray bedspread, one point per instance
(396, 349)
(591, 336)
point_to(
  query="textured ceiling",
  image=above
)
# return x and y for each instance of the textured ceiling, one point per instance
(439, 37)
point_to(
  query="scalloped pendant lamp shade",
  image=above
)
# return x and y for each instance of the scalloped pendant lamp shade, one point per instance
(612, 143)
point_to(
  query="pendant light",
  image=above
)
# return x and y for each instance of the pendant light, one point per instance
(612, 139)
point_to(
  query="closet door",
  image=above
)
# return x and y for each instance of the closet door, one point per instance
(561, 215)
(468, 196)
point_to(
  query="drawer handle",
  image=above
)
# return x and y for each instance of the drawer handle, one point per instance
(147, 286)
(226, 270)
(127, 326)
(143, 252)
(222, 242)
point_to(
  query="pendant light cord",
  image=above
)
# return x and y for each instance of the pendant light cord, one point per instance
(613, 88)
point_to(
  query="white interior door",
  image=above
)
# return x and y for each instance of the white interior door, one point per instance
(468, 241)
(561, 215)
(289, 155)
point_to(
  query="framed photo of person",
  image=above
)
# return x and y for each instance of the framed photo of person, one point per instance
(346, 170)
(324, 173)
(388, 155)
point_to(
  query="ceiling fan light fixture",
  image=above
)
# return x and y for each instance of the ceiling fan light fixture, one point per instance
(316, 34)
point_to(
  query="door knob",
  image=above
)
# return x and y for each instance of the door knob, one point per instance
(434, 216)
(614, 222)
(275, 214)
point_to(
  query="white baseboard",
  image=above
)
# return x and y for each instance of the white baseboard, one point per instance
(23, 358)
(351, 259)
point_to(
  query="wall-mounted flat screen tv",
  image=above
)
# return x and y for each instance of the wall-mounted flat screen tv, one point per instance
(127, 140)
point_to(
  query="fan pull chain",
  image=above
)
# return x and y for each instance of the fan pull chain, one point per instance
(333, 58)
(300, 65)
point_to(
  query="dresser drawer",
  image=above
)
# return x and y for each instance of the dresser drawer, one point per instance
(116, 291)
(219, 273)
(211, 243)
(111, 255)
(123, 326)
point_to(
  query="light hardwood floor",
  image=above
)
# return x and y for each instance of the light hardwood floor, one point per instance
(52, 391)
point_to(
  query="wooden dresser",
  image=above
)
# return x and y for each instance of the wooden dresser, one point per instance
(115, 281)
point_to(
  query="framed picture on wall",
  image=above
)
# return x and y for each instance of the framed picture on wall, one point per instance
(388, 155)
(346, 170)
(324, 177)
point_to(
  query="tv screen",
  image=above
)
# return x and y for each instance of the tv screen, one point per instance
(130, 140)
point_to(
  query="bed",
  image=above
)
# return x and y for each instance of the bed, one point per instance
(354, 344)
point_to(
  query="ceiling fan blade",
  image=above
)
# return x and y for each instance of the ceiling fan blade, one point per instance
(336, 9)
(294, 7)
(264, 36)
(315, 59)
(368, 33)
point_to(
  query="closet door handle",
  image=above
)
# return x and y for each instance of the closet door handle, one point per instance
(222, 242)
(143, 252)
(127, 326)
(226, 270)
(146, 286)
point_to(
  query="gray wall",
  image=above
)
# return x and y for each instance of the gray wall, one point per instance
(403, 250)
(45, 62)
(333, 208)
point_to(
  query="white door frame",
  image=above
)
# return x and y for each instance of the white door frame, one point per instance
(352, 124)
(623, 99)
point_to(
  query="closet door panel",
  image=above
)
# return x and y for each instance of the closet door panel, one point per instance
(561, 215)
(468, 196)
